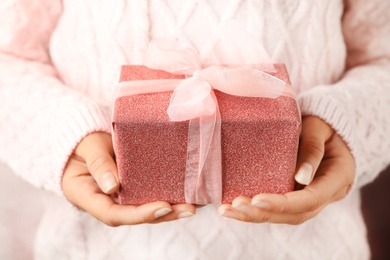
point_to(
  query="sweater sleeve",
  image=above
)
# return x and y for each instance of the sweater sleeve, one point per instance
(41, 119)
(358, 105)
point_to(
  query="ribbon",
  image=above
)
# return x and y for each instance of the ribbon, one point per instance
(193, 99)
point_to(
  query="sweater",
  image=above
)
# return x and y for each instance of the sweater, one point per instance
(59, 65)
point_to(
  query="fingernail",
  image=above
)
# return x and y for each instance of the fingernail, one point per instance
(261, 204)
(228, 214)
(185, 214)
(237, 203)
(243, 208)
(162, 212)
(304, 174)
(225, 212)
(108, 182)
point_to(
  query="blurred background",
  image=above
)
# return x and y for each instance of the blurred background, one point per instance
(376, 212)
(21, 208)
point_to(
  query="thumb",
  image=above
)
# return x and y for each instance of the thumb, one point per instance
(315, 133)
(97, 151)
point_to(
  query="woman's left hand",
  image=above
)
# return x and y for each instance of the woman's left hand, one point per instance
(324, 164)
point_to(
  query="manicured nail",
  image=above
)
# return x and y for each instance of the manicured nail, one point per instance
(185, 214)
(243, 208)
(237, 203)
(304, 174)
(108, 182)
(261, 204)
(162, 212)
(228, 214)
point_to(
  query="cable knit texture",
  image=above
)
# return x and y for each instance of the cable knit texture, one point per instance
(59, 65)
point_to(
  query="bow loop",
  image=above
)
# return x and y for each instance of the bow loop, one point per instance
(191, 99)
(242, 81)
(172, 55)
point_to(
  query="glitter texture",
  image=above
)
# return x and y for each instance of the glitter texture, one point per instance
(259, 143)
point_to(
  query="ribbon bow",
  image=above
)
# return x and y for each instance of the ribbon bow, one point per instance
(192, 97)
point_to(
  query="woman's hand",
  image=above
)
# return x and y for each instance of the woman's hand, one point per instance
(324, 164)
(90, 181)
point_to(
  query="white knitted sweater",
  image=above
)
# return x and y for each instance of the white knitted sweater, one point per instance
(59, 65)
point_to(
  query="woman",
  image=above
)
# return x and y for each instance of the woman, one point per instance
(59, 67)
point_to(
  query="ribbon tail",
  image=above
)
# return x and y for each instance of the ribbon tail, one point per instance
(213, 161)
(192, 163)
(203, 183)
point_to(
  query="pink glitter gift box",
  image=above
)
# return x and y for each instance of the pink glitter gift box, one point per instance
(259, 142)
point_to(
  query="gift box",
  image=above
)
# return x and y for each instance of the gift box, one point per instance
(258, 143)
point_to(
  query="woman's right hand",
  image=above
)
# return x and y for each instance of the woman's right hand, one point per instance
(90, 181)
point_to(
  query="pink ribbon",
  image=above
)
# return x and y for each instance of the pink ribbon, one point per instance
(193, 99)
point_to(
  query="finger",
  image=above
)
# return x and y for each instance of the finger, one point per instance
(241, 209)
(333, 180)
(323, 190)
(102, 167)
(133, 215)
(339, 153)
(244, 209)
(291, 219)
(104, 208)
(81, 189)
(243, 204)
(240, 201)
(315, 132)
(256, 215)
(178, 211)
(244, 212)
(302, 201)
(97, 151)
(226, 210)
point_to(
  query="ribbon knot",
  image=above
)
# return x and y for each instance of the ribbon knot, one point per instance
(191, 99)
